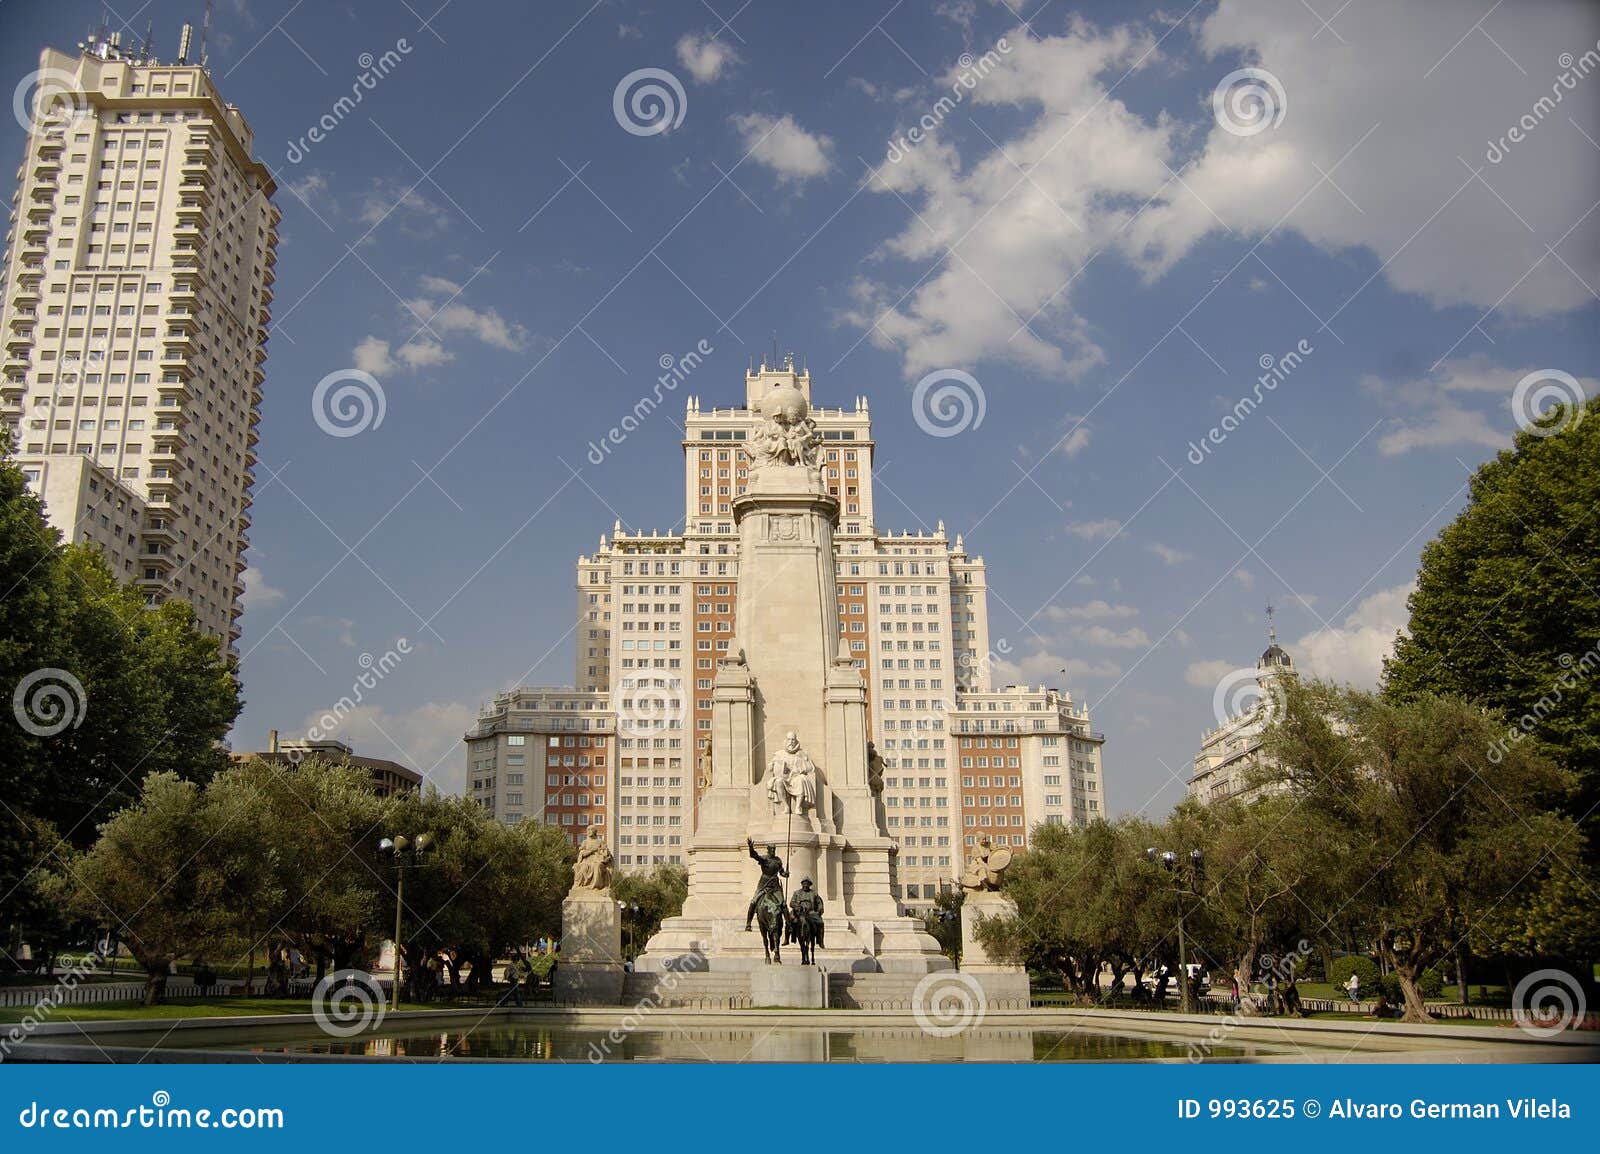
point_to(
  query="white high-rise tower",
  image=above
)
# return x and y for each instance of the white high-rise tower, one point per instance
(136, 295)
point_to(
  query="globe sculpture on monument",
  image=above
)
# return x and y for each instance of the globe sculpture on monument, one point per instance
(789, 766)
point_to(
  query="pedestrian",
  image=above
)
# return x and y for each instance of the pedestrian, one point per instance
(1233, 992)
(1353, 987)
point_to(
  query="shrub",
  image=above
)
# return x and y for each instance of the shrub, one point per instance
(1365, 968)
(1431, 983)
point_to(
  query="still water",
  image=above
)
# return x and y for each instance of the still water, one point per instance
(788, 1043)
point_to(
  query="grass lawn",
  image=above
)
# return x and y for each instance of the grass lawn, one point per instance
(177, 1008)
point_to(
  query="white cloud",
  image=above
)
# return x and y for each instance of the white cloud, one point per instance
(257, 593)
(445, 313)
(389, 200)
(1107, 638)
(779, 143)
(311, 187)
(1075, 175)
(1096, 610)
(705, 58)
(1354, 651)
(372, 356)
(439, 285)
(1168, 555)
(1245, 578)
(1101, 530)
(1207, 674)
(1047, 668)
(1433, 414)
(1075, 441)
(426, 737)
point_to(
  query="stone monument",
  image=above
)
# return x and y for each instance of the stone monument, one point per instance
(590, 971)
(789, 758)
(1004, 984)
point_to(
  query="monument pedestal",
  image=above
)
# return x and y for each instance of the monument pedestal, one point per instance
(1005, 985)
(789, 699)
(789, 988)
(589, 971)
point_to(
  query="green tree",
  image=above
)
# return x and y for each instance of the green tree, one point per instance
(943, 923)
(1507, 607)
(1439, 832)
(310, 833)
(159, 877)
(482, 888)
(658, 892)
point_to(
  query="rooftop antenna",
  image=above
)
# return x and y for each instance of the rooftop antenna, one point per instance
(183, 43)
(773, 363)
(149, 32)
(1272, 630)
(205, 33)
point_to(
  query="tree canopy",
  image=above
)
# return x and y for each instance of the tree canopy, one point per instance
(1507, 607)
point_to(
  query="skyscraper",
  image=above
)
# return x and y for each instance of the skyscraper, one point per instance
(137, 291)
(656, 612)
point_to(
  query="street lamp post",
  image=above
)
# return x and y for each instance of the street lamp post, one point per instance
(627, 922)
(1183, 878)
(402, 847)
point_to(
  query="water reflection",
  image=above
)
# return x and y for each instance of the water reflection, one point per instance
(750, 1044)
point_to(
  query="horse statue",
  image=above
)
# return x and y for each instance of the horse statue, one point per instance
(803, 932)
(805, 920)
(770, 919)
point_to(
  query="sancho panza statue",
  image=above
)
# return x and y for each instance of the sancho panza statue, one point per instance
(792, 779)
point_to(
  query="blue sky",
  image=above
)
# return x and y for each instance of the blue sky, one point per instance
(1107, 251)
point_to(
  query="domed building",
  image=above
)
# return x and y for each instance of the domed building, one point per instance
(1231, 754)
